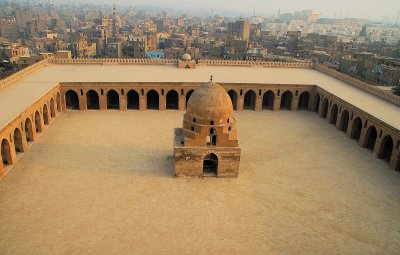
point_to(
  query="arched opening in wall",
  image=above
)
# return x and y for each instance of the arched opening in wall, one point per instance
(303, 101)
(316, 102)
(153, 102)
(334, 114)
(385, 152)
(58, 101)
(45, 115)
(325, 107)
(356, 129)
(233, 95)
(52, 108)
(18, 146)
(92, 100)
(286, 100)
(210, 165)
(112, 100)
(188, 94)
(344, 121)
(172, 100)
(133, 100)
(268, 100)
(28, 130)
(250, 100)
(370, 138)
(38, 123)
(6, 152)
(71, 100)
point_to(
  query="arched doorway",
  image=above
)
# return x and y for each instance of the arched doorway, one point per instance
(92, 100)
(112, 100)
(268, 100)
(58, 100)
(316, 102)
(370, 138)
(233, 95)
(38, 123)
(18, 145)
(356, 129)
(45, 115)
(28, 130)
(188, 94)
(334, 114)
(172, 100)
(385, 152)
(133, 100)
(210, 165)
(286, 100)
(6, 152)
(71, 100)
(250, 100)
(344, 121)
(52, 108)
(303, 101)
(153, 101)
(325, 107)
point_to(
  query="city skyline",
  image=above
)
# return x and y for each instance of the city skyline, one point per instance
(386, 10)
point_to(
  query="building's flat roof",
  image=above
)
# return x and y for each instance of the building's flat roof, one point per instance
(19, 96)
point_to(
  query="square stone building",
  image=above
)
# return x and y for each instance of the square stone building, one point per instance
(207, 144)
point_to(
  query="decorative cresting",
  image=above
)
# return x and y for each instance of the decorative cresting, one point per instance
(207, 144)
(209, 116)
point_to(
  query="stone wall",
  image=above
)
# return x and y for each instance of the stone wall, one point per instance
(387, 95)
(115, 61)
(21, 74)
(248, 63)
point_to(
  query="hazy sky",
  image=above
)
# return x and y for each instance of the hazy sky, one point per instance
(374, 9)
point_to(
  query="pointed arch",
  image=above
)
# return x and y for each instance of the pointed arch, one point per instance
(28, 130)
(92, 100)
(132, 100)
(356, 129)
(210, 165)
(334, 114)
(268, 100)
(18, 143)
(58, 101)
(112, 100)
(45, 115)
(325, 108)
(386, 148)
(38, 123)
(344, 121)
(370, 138)
(52, 109)
(249, 100)
(153, 100)
(317, 100)
(286, 100)
(172, 100)
(6, 152)
(233, 95)
(71, 100)
(304, 100)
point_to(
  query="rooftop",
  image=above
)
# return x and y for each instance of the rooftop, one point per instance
(16, 98)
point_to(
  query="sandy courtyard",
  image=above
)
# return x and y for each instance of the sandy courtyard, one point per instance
(102, 183)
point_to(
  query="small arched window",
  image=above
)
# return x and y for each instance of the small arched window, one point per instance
(194, 120)
(212, 122)
(227, 120)
(192, 128)
(229, 128)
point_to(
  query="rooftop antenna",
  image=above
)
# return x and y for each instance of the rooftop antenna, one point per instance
(279, 13)
(254, 12)
(397, 19)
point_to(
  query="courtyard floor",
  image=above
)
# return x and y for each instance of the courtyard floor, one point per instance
(103, 183)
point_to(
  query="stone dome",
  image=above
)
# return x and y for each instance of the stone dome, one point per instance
(209, 104)
(186, 57)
